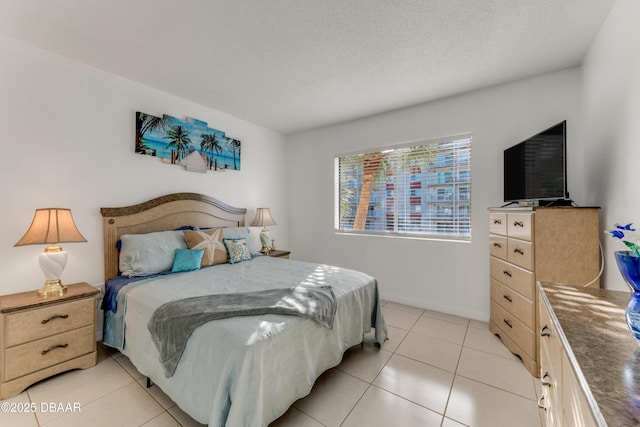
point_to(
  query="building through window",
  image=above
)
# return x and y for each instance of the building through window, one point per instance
(417, 190)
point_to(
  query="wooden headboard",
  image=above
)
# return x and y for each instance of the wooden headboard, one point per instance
(160, 214)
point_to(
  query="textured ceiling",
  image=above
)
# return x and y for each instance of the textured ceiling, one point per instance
(292, 65)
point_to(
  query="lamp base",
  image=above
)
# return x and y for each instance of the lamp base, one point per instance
(52, 262)
(52, 288)
(264, 239)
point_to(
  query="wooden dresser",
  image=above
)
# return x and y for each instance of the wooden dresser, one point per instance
(589, 359)
(526, 245)
(40, 337)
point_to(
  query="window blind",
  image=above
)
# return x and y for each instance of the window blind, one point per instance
(422, 189)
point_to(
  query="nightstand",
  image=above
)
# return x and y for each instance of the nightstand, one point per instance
(279, 254)
(41, 337)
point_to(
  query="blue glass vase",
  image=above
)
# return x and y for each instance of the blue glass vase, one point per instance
(629, 266)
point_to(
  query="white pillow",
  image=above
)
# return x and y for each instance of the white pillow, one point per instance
(150, 253)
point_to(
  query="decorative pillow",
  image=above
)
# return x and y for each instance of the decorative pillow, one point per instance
(150, 253)
(187, 260)
(238, 250)
(211, 241)
(241, 233)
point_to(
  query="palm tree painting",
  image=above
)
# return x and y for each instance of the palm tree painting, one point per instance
(144, 123)
(210, 145)
(172, 140)
(179, 139)
(235, 147)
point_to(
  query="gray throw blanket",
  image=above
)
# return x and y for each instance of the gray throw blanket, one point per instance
(172, 323)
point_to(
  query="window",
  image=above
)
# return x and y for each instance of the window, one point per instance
(417, 190)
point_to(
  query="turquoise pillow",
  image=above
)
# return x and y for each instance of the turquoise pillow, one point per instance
(237, 250)
(187, 260)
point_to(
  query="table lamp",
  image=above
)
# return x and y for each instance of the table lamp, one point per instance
(50, 227)
(263, 218)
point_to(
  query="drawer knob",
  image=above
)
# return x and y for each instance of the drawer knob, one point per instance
(518, 224)
(53, 347)
(545, 380)
(497, 245)
(507, 297)
(507, 273)
(55, 316)
(544, 331)
(518, 251)
(541, 404)
(508, 323)
(497, 221)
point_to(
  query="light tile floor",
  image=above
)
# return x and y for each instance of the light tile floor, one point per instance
(436, 370)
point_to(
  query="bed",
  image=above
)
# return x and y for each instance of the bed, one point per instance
(243, 370)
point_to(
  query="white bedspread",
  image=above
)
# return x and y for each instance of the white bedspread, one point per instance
(247, 371)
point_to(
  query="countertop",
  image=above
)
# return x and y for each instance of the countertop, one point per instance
(604, 355)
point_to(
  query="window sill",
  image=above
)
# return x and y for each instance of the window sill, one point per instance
(431, 237)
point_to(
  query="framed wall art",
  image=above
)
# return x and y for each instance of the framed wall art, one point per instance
(190, 143)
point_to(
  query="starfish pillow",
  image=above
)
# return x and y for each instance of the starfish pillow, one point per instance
(209, 240)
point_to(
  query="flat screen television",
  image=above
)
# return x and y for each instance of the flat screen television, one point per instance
(536, 168)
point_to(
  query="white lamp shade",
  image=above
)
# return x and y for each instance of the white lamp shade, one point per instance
(263, 218)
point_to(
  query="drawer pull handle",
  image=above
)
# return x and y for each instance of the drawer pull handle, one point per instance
(508, 323)
(545, 380)
(544, 331)
(55, 316)
(497, 221)
(541, 404)
(507, 273)
(518, 251)
(507, 297)
(497, 245)
(53, 347)
(518, 224)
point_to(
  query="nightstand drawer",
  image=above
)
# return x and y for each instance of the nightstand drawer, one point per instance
(37, 323)
(522, 308)
(516, 278)
(520, 253)
(498, 246)
(31, 357)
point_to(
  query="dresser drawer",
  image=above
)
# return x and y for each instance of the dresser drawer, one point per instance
(498, 246)
(550, 368)
(498, 223)
(31, 357)
(520, 252)
(37, 323)
(551, 382)
(516, 278)
(577, 410)
(549, 339)
(522, 308)
(522, 336)
(520, 226)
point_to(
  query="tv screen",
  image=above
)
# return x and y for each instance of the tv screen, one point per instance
(535, 169)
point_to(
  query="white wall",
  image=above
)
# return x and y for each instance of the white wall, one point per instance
(66, 140)
(611, 132)
(446, 276)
